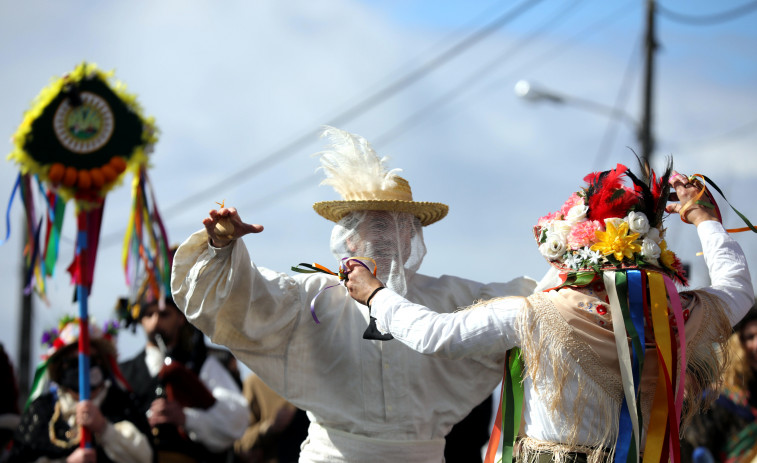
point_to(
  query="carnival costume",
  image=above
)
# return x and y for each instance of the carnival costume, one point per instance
(48, 428)
(585, 395)
(367, 400)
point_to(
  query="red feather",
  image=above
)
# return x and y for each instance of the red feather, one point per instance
(607, 196)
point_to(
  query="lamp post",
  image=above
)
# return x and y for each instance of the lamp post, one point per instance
(531, 92)
(643, 129)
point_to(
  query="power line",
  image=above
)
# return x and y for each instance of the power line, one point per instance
(356, 110)
(361, 107)
(413, 119)
(739, 131)
(707, 20)
(466, 85)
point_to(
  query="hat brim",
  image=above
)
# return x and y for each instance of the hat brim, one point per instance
(426, 212)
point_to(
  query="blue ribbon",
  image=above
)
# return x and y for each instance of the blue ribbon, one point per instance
(8, 210)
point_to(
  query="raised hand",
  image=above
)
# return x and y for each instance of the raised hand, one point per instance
(224, 226)
(691, 210)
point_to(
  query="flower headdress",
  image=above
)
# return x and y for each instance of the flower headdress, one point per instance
(608, 225)
(67, 333)
(68, 330)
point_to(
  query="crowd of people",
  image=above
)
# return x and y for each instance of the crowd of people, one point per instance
(611, 356)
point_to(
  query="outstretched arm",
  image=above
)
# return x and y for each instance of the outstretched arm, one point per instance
(484, 329)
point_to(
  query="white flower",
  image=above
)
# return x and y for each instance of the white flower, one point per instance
(554, 247)
(638, 222)
(560, 227)
(585, 252)
(573, 261)
(654, 235)
(577, 214)
(595, 257)
(650, 251)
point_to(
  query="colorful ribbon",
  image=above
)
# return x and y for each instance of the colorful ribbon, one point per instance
(507, 422)
(628, 429)
(341, 274)
(16, 187)
(146, 240)
(662, 435)
(697, 200)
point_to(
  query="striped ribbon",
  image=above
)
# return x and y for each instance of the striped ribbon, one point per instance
(507, 421)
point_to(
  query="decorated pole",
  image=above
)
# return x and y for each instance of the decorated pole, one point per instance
(81, 135)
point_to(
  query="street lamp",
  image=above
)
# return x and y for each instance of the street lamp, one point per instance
(535, 93)
(530, 92)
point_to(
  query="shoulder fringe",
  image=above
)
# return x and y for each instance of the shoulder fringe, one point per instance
(707, 355)
(544, 331)
(707, 359)
(530, 449)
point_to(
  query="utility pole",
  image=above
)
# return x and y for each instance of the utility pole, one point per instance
(24, 336)
(650, 47)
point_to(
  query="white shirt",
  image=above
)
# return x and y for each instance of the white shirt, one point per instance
(220, 425)
(361, 395)
(493, 327)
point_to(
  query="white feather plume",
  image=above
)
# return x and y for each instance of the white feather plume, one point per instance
(352, 166)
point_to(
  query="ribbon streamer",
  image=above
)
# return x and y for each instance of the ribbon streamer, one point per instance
(507, 422)
(341, 274)
(145, 232)
(16, 187)
(703, 191)
(628, 434)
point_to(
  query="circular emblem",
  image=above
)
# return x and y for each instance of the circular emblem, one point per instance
(85, 128)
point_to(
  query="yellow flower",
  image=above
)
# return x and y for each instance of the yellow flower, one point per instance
(667, 257)
(616, 241)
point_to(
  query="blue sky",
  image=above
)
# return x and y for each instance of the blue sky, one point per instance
(231, 83)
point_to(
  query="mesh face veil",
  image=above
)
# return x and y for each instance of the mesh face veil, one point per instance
(393, 239)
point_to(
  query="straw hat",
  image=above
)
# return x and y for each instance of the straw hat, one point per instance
(357, 173)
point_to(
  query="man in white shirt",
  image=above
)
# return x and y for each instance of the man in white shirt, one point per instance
(367, 399)
(191, 401)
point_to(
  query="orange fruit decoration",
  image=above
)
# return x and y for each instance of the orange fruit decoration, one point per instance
(70, 176)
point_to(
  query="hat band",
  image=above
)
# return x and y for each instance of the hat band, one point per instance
(382, 195)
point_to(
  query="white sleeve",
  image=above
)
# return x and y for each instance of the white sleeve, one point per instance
(483, 329)
(220, 425)
(123, 443)
(251, 310)
(727, 265)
